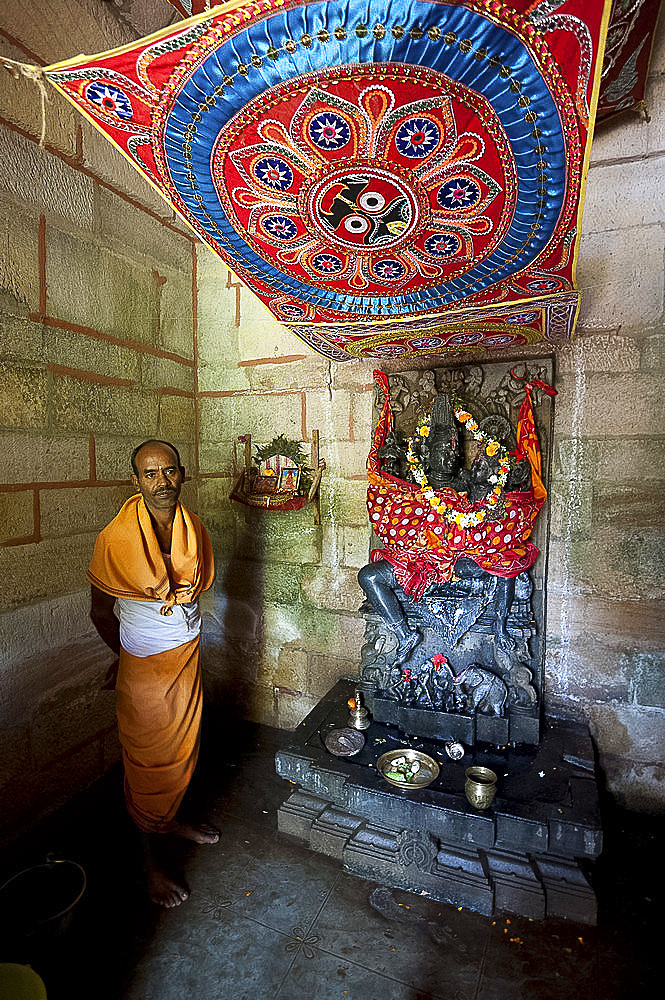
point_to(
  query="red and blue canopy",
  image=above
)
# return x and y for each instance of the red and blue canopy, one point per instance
(389, 178)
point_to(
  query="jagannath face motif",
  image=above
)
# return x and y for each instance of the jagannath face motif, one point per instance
(360, 213)
(379, 192)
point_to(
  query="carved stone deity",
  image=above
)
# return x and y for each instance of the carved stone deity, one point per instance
(455, 560)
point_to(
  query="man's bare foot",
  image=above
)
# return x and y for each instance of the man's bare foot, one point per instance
(164, 891)
(201, 833)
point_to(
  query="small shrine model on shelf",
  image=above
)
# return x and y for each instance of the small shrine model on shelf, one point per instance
(278, 477)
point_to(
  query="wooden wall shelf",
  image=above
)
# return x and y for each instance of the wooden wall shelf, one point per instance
(282, 502)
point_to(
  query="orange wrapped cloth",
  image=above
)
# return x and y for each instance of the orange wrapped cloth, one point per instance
(159, 695)
(158, 704)
(127, 561)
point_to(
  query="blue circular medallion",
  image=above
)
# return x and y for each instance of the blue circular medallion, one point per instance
(463, 339)
(458, 193)
(543, 284)
(389, 350)
(389, 270)
(521, 318)
(274, 173)
(329, 131)
(109, 99)
(327, 263)
(443, 245)
(499, 340)
(280, 227)
(417, 137)
(424, 343)
(292, 310)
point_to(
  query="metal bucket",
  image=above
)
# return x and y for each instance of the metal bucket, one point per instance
(39, 901)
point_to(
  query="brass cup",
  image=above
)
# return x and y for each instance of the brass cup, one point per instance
(480, 786)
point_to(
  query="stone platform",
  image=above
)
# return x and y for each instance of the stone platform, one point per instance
(525, 854)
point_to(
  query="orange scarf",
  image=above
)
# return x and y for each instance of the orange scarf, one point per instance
(127, 561)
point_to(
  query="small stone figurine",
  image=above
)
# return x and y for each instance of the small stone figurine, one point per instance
(484, 691)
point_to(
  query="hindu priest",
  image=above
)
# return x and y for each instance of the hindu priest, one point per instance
(149, 567)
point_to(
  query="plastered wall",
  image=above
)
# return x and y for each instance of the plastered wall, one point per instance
(116, 325)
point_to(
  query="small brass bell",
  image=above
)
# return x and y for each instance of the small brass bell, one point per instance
(358, 716)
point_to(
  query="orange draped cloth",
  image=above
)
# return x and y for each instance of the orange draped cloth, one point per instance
(158, 696)
(158, 704)
(127, 561)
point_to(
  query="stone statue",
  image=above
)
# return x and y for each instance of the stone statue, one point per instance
(430, 684)
(454, 567)
(443, 685)
(483, 690)
(419, 564)
(378, 581)
(392, 456)
(440, 452)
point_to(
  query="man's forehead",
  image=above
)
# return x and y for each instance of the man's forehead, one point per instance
(153, 455)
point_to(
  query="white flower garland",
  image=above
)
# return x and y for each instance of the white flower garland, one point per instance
(450, 513)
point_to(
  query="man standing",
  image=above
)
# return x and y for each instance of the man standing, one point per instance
(148, 569)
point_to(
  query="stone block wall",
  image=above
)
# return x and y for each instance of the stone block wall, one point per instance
(282, 626)
(606, 594)
(97, 351)
(115, 325)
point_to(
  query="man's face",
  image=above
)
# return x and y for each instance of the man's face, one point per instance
(160, 477)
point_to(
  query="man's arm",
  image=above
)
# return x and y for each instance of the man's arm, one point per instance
(106, 623)
(108, 626)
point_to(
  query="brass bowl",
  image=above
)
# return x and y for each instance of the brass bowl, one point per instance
(427, 773)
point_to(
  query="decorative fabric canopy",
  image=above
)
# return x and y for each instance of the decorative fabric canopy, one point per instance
(630, 35)
(394, 177)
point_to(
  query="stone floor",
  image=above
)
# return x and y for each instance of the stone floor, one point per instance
(268, 918)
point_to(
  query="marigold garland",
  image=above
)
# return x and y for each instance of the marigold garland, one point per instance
(492, 447)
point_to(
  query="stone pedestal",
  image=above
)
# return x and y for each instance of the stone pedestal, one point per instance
(522, 725)
(524, 854)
